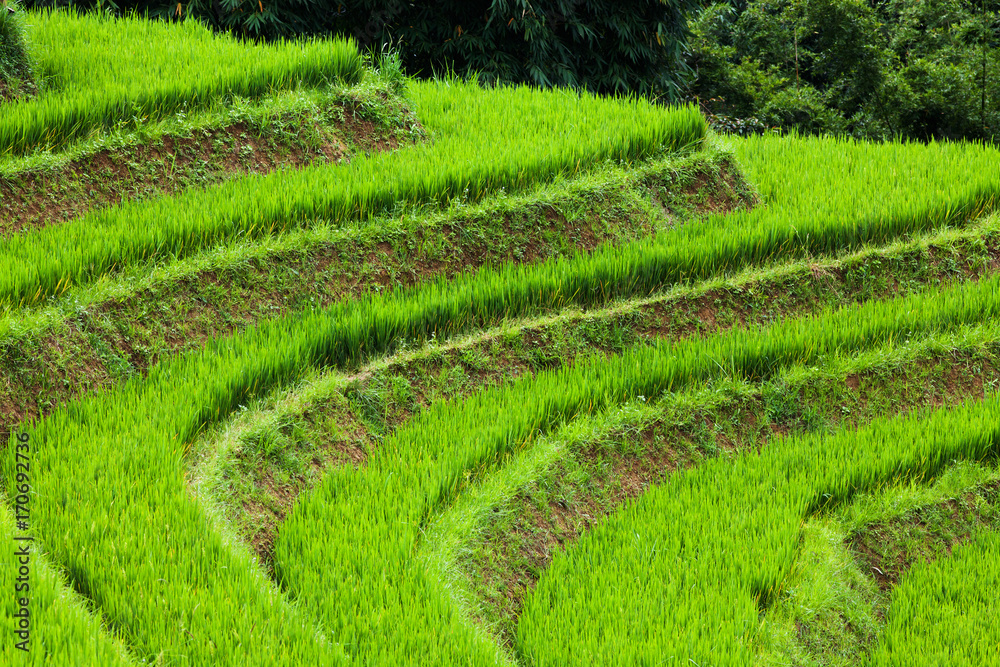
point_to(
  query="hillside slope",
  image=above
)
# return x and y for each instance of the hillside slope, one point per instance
(484, 376)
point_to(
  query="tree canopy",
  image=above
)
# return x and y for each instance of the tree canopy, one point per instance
(919, 69)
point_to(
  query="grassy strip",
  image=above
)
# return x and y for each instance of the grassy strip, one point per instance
(17, 77)
(358, 521)
(369, 95)
(167, 410)
(288, 130)
(138, 433)
(838, 595)
(888, 547)
(945, 610)
(418, 232)
(255, 472)
(481, 147)
(639, 268)
(492, 546)
(717, 544)
(162, 575)
(113, 330)
(147, 69)
(61, 630)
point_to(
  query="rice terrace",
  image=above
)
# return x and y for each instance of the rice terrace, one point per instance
(304, 361)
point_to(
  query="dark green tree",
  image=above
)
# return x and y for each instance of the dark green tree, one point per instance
(874, 69)
(945, 51)
(603, 45)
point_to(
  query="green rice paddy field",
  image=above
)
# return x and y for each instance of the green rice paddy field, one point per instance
(304, 366)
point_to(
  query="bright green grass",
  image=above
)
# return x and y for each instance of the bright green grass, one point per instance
(827, 583)
(138, 433)
(945, 611)
(373, 517)
(101, 71)
(832, 612)
(482, 144)
(126, 527)
(170, 571)
(711, 548)
(118, 516)
(61, 629)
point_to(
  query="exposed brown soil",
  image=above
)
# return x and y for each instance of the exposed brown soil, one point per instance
(728, 183)
(888, 550)
(262, 514)
(665, 447)
(33, 200)
(118, 339)
(537, 533)
(53, 370)
(520, 551)
(331, 272)
(93, 350)
(36, 376)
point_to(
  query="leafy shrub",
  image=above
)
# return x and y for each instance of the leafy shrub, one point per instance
(919, 69)
(16, 76)
(603, 45)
